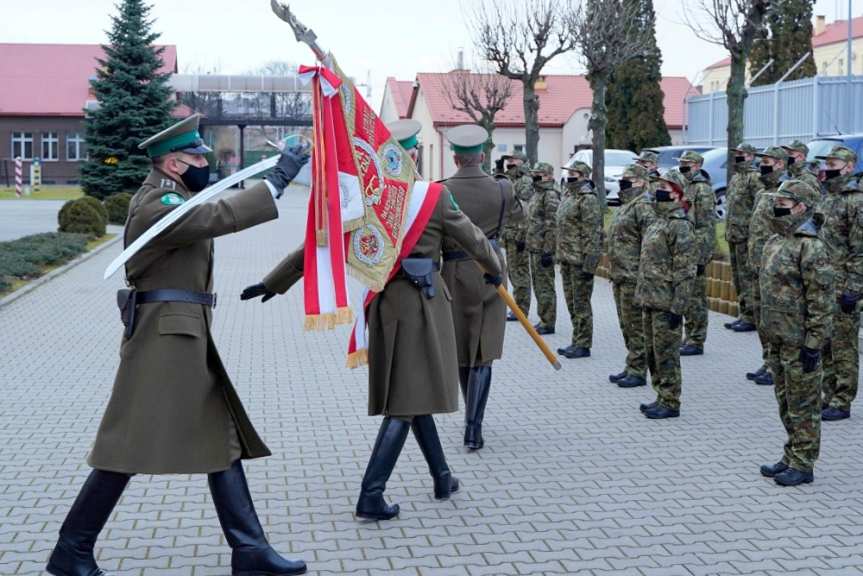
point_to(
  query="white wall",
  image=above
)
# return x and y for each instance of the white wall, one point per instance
(389, 112)
(430, 139)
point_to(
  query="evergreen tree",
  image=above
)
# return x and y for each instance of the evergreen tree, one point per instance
(786, 38)
(636, 114)
(134, 103)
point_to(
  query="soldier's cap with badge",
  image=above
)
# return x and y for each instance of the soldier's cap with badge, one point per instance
(579, 167)
(775, 152)
(405, 131)
(635, 171)
(799, 191)
(673, 177)
(840, 152)
(648, 155)
(796, 146)
(543, 168)
(692, 156)
(467, 138)
(181, 137)
(746, 149)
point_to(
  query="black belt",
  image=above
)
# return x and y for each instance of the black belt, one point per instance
(171, 295)
(462, 255)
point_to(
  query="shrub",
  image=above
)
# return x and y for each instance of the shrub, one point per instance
(118, 207)
(97, 205)
(80, 217)
(25, 258)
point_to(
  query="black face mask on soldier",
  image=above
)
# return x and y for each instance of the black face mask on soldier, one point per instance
(832, 173)
(780, 212)
(740, 159)
(662, 195)
(791, 160)
(195, 178)
(685, 169)
(572, 179)
(766, 170)
(537, 178)
(625, 184)
(511, 167)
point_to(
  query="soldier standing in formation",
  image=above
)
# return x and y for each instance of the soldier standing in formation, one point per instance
(649, 160)
(173, 409)
(478, 311)
(797, 301)
(665, 276)
(413, 361)
(742, 192)
(625, 233)
(514, 234)
(702, 201)
(541, 243)
(798, 168)
(842, 232)
(579, 245)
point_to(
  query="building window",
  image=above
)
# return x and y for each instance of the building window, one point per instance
(22, 145)
(76, 148)
(50, 146)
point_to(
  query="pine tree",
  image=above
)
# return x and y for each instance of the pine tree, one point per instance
(134, 103)
(636, 114)
(786, 38)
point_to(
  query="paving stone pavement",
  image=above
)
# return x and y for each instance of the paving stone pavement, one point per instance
(23, 217)
(573, 480)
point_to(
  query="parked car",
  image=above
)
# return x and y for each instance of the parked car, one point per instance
(668, 155)
(615, 162)
(823, 144)
(716, 164)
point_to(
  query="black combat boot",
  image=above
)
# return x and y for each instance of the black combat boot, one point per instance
(794, 477)
(645, 407)
(251, 554)
(425, 432)
(691, 350)
(73, 555)
(388, 446)
(576, 352)
(661, 412)
(832, 414)
(753, 375)
(744, 326)
(477, 397)
(771, 470)
(614, 378)
(632, 381)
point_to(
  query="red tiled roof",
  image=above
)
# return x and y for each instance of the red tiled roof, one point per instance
(401, 90)
(562, 96)
(53, 79)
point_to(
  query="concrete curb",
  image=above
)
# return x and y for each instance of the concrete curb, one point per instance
(24, 290)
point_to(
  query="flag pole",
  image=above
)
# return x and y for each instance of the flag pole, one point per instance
(525, 323)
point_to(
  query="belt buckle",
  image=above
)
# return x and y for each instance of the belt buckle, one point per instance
(215, 300)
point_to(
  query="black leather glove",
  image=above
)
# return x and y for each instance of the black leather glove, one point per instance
(520, 246)
(848, 302)
(546, 260)
(809, 358)
(674, 320)
(494, 280)
(290, 162)
(256, 290)
(700, 269)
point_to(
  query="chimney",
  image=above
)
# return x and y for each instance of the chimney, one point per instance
(820, 24)
(460, 59)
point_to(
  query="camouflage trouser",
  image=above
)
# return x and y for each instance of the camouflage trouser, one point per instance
(742, 277)
(842, 361)
(695, 319)
(662, 348)
(756, 316)
(543, 287)
(799, 398)
(518, 265)
(577, 290)
(632, 326)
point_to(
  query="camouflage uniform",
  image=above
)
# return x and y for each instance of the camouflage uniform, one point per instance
(803, 170)
(665, 275)
(579, 244)
(742, 192)
(625, 232)
(702, 211)
(649, 159)
(796, 307)
(541, 241)
(842, 232)
(514, 238)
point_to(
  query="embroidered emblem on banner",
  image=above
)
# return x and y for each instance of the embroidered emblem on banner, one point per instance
(392, 160)
(370, 171)
(368, 244)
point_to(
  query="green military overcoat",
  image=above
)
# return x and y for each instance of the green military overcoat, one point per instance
(173, 409)
(479, 313)
(413, 368)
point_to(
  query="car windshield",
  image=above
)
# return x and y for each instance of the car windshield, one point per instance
(619, 157)
(821, 148)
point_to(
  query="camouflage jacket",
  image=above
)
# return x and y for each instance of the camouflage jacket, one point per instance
(515, 228)
(541, 214)
(742, 192)
(625, 232)
(579, 227)
(759, 227)
(666, 271)
(802, 172)
(702, 212)
(842, 233)
(797, 297)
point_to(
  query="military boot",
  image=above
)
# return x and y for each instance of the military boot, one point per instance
(385, 454)
(73, 554)
(425, 432)
(832, 414)
(765, 379)
(632, 381)
(744, 326)
(691, 350)
(614, 378)
(645, 407)
(463, 379)
(794, 477)
(477, 397)
(771, 470)
(251, 553)
(576, 352)
(757, 373)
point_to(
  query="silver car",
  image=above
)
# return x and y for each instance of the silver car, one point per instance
(615, 163)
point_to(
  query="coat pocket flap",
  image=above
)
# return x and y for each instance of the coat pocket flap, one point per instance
(181, 324)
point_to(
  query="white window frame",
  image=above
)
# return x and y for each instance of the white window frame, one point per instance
(22, 139)
(52, 139)
(75, 139)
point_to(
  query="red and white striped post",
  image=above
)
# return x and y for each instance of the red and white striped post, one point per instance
(19, 176)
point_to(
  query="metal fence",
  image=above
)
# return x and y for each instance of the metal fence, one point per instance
(774, 114)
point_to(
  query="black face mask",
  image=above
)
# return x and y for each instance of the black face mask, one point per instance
(195, 178)
(625, 184)
(766, 170)
(511, 167)
(791, 160)
(740, 159)
(662, 196)
(572, 179)
(781, 212)
(537, 179)
(832, 173)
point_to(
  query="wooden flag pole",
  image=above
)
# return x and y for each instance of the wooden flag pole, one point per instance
(510, 302)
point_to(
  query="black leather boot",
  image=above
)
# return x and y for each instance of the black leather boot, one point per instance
(251, 554)
(388, 446)
(477, 394)
(73, 554)
(425, 432)
(463, 380)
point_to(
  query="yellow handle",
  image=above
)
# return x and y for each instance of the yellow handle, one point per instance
(510, 302)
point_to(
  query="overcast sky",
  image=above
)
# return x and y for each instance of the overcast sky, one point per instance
(370, 39)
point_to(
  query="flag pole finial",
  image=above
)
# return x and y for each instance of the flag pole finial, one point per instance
(302, 32)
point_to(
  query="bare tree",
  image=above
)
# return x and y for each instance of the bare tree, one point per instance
(480, 96)
(518, 38)
(608, 33)
(734, 24)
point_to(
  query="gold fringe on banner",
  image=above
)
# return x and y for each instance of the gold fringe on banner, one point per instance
(358, 358)
(344, 316)
(329, 321)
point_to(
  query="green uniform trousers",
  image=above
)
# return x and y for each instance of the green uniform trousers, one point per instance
(577, 291)
(543, 287)
(662, 348)
(756, 316)
(629, 315)
(742, 279)
(518, 265)
(799, 399)
(842, 361)
(695, 318)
